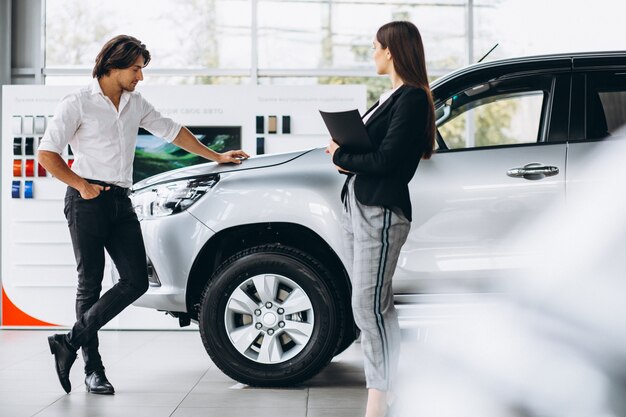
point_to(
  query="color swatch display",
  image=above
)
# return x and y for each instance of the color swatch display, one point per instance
(29, 146)
(28, 189)
(17, 167)
(15, 189)
(286, 124)
(27, 130)
(17, 146)
(29, 168)
(272, 124)
(260, 146)
(28, 125)
(40, 125)
(17, 125)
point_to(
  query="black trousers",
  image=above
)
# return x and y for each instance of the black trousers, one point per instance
(105, 222)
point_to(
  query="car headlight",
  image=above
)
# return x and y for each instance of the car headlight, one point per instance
(171, 197)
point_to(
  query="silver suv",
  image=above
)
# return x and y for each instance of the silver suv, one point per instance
(253, 253)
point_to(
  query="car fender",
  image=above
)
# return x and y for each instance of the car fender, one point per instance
(305, 192)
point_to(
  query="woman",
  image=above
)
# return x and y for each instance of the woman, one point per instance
(377, 214)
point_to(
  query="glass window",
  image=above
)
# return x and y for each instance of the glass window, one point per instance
(152, 79)
(184, 34)
(323, 34)
(536, 27)
(487, 32)
(290, 34)
(218, 34)
(606, 104)
(491, 115)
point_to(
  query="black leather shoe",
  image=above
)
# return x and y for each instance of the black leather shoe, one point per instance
(64, 357)
(97, 383)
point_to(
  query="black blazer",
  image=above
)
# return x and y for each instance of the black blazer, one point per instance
(397, 130)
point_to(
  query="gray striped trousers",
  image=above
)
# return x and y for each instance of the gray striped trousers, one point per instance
(373, 237)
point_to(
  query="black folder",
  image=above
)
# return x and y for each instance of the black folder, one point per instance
(348, 130)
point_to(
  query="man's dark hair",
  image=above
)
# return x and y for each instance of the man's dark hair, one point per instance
(120, 52)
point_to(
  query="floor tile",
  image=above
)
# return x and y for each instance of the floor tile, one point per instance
(247, 398)
(337, 397)
(163, 374)
(336, 412)
(20, 410)
(27, 397)
(74, 410)
(241, 412)
(122, 399)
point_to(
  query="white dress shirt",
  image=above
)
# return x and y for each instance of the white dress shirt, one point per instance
(383, 97)
(102, 137)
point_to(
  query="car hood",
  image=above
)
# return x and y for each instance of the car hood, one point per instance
(213, 168)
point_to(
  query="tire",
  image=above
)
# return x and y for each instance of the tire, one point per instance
(272, 316)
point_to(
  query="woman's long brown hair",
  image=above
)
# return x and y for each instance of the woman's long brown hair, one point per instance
(407, 51)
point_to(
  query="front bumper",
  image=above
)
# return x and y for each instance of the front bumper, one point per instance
(172, 245)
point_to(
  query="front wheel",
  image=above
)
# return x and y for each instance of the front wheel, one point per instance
(272, 316)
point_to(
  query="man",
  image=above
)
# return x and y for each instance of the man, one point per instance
(100, 122)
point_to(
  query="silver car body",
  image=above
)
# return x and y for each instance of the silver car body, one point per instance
(452, 237)
(299, 188)
(464, 203)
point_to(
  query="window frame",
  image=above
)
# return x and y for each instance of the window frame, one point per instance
(587, 82)
(556, 89)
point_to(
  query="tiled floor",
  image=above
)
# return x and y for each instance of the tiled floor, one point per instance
(164, 374)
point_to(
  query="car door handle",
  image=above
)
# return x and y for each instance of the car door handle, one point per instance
(534, 171)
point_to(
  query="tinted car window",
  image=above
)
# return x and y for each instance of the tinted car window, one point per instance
(606, 104)
(499, 120)
(502, 112)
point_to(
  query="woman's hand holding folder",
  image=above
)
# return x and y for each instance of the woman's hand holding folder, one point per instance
(330, 149)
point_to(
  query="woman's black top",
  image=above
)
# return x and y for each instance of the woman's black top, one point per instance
(397, 130)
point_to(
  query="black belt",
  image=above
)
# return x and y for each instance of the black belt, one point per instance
(115, 189)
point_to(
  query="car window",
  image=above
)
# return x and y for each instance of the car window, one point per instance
(494, 113)
(606, 104)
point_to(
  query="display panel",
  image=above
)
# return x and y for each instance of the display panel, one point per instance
(154, 155)
(38, 276)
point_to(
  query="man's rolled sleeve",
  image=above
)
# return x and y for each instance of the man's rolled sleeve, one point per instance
(62, 126)
(158, 125)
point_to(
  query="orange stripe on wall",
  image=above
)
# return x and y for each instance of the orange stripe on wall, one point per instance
(13, 316)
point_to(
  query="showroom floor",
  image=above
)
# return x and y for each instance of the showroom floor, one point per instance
(164, 373)
(492, 360)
